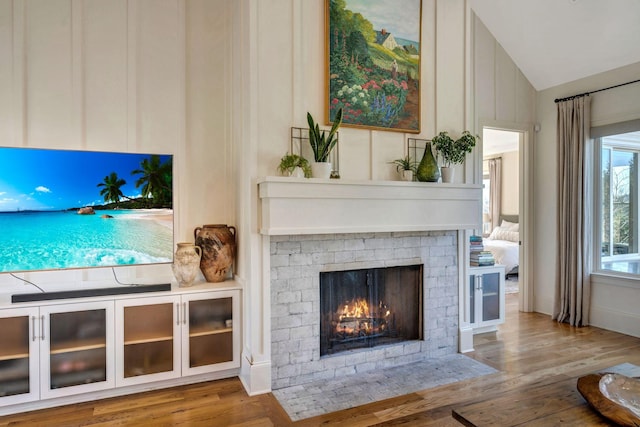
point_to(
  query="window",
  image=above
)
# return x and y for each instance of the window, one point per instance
(618, 213)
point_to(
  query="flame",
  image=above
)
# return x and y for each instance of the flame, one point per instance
(357, 308)
(355, 317)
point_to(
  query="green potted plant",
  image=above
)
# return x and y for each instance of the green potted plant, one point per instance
(294, 165)
(322, 144)
(405, 167)
(453, 152)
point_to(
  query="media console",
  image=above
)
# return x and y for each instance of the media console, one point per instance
(82, 347)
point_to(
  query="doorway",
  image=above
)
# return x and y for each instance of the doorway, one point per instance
(506, 196)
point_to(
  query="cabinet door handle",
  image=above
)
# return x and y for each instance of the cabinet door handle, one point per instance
(184, 313)
(178, 314)
(33, 327)
(42, 327)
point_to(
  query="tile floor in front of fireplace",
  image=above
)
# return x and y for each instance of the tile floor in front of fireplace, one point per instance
(317, 398)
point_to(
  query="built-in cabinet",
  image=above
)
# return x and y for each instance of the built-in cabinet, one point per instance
(485, 298)
(57, 350)
(166, 337)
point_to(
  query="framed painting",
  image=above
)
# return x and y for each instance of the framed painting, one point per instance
(373, 63)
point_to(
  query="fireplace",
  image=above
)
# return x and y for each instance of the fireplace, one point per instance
(310, 227)
(299, 263)
(369, 307)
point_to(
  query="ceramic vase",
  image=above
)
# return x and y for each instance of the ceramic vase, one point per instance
(186, 263)
(447, 173)
(407, 175)
(218, 243)
(297, 172)
(321, 170)
(428, 170)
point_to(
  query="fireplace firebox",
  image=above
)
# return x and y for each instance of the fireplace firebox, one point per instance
(370, 307)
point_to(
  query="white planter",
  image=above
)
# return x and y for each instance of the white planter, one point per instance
(297, 172)
(447, 173)
(406, 175)
(321, 170)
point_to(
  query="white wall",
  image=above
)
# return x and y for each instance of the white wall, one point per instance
(611, 300)
(136, 76)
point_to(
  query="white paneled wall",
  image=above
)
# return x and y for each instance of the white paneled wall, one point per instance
(118, 75)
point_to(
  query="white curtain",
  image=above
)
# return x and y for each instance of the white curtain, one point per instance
(573, 288)
(495, 192)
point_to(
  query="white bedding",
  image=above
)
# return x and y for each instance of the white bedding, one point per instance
(504, 252)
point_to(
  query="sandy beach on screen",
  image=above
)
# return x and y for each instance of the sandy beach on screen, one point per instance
(161, 216)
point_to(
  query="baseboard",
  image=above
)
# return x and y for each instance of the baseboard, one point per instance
(617, 321)
(255, 377)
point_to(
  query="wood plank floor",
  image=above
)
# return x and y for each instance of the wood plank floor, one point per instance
(529, 350)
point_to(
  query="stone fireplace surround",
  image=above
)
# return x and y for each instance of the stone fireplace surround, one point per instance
(314, 225)
(296, 263)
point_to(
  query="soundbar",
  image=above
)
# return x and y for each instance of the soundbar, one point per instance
(84, 293)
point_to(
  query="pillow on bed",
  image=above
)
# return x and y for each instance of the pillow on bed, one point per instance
(500, 233)
(510, 226)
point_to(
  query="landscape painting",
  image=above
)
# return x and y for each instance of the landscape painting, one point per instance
(373, 54)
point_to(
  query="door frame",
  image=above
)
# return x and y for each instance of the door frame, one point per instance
(525, 157)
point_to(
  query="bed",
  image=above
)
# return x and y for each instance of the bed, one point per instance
(504, 244)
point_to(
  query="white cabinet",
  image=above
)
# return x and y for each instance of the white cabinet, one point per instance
(147, 339)
(485, 298)
(210, 332)
(94, 347)
(159, 338)
(76, 348)
(19, 355)
(55, 350)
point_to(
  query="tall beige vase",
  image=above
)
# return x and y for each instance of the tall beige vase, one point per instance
(186, 263)
(218, 243)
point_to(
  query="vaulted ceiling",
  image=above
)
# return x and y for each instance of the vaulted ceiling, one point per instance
(558, 41)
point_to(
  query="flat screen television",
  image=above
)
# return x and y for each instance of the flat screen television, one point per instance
(65, 209)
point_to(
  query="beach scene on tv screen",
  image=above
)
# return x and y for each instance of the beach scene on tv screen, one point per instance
(75, 209)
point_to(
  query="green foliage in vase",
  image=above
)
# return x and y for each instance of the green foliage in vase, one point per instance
(289, 162)
(322, 144)
(453, 151)
(405, 164)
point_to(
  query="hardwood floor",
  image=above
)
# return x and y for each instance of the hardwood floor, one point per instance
(529, 349)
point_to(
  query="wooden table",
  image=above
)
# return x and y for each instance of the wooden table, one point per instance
(553, 401)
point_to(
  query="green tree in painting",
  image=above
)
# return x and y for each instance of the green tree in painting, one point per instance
(155, 180)
(111, 188)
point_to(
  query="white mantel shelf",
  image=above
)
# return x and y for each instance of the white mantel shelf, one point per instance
(294, 206)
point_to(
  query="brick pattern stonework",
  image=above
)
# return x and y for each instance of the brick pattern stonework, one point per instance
(296, 263)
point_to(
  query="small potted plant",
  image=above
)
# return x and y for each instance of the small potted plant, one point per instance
(294, 165)
(453, 152)
(405, 167)
(322, 144)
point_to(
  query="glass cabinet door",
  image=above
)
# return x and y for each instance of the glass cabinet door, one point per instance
(18, 356)
(212, 339)
(490, 296)
(79, 350)
(147, 340)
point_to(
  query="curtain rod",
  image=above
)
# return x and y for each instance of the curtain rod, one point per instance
(593, 91)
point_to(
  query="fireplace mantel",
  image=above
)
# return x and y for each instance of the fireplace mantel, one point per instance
(295, 206)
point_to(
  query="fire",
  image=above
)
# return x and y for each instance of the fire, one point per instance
(355, 318)
(357, 308)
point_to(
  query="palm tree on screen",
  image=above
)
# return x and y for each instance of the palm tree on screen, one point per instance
(111, 188)
(155, 180)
